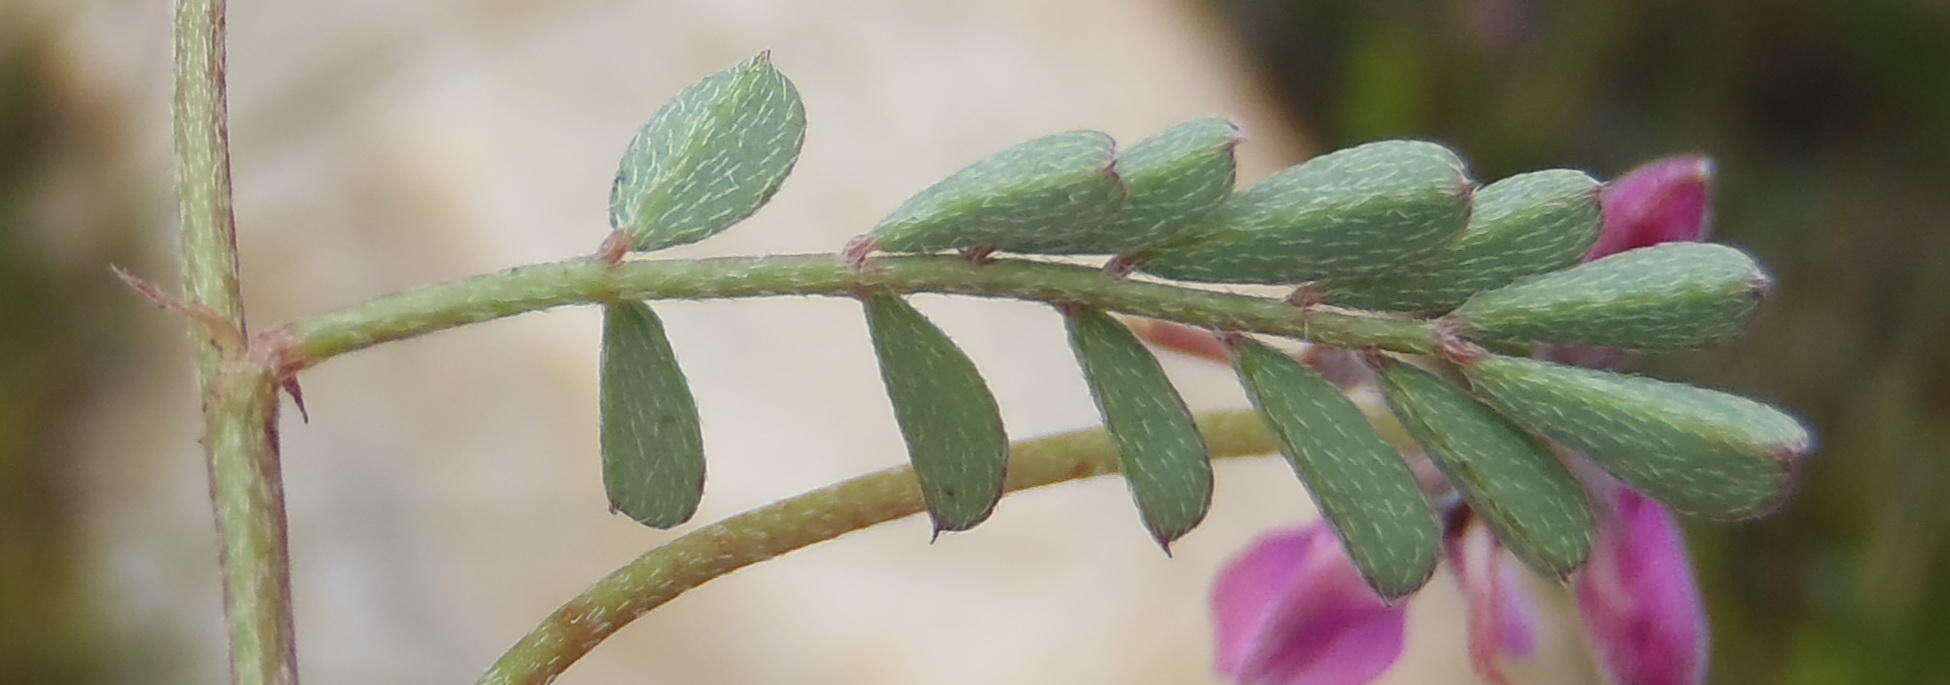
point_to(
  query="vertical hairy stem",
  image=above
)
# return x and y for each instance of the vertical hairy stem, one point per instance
(247, 492)
(239, 392)
(209, 233)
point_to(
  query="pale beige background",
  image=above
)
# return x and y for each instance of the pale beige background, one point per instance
(446, 493)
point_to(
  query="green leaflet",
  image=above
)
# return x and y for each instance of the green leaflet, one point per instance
(1360, 482)
(1663, 297)
(1514, 483)
(1703, 452)
(1522, 225)
(653, 450)
(946, 414)
(1160, 451)
(1365, 210)
(1175, 178)
(1045, 191)
(710, 157)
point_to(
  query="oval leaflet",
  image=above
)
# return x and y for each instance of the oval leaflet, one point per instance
(1510, 480)
(652, 446)
(1703, 452)
(1665, 297)
(1364, 489)
(1522, 225)
(946, 414)
(1042, 192)
(1365, 210)
(710, 157)
(1159, 450)
(1174, 179)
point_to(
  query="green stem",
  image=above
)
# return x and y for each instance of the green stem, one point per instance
(202, 167)
(238, 391)
(577, 281)
(247, 492)
(662, 574)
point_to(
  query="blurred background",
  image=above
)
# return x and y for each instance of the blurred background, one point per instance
(446, 493)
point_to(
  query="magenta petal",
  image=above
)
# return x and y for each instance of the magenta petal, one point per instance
(1638, 599)
(1498, 608)
(1516, 621)
(1292, 609)
(1247, 588)
(1663, 201)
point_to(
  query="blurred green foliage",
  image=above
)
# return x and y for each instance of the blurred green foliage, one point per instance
(58, 342)
(1830, 122)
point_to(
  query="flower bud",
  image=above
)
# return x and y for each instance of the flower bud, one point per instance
(1664, 201)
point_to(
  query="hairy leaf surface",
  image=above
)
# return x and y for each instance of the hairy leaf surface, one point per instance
(1522, 225)
(1174, 178)
(946, 414)
(653, 449)
(1048, 191)
(1160, 451)
(1664, 297)
(1365, 210)
(710, 157)
(1703, 452)
(1360, 482)
(1511, 481)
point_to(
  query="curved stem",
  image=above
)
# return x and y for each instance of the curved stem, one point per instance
(760, 534)
(585, 280)
(239, 392)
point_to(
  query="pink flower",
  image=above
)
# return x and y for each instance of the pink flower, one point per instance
(1640, 605)
(1292, 609)
(1662, 201)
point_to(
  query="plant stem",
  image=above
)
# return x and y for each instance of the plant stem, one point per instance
(247, 492)
(239, 392)
(760, 534)
(576, 281)
(202, 167)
